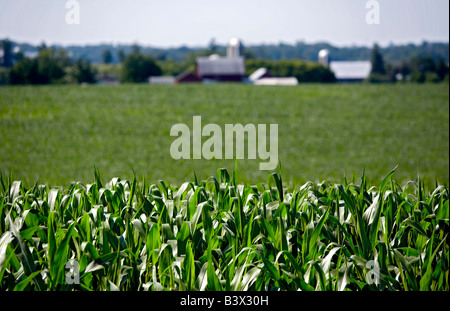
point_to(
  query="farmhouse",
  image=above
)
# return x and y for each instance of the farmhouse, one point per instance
(346, 71)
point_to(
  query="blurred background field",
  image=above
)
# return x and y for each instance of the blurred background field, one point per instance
(56, 134)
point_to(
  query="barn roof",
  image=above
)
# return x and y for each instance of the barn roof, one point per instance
(351, 70)
(259, 74)
(187, 76)
(207, 66)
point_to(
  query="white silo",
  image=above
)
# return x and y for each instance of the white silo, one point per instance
(324, 57)
(235, 48)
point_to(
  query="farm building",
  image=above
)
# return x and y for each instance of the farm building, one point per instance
(260, 74)
(346, 71)
(187, 77)
(218, 68)
(215, 68)
(161, 80)
(351, 71)
(288, 81)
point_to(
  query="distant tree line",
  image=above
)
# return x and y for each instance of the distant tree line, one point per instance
(55, 66)
(134, 64)
(50, 66)
(137, 67)
(420, 69)
(393, 54)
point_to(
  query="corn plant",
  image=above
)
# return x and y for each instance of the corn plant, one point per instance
(218, 235)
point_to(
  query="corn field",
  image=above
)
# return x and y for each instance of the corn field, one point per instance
(218, 235)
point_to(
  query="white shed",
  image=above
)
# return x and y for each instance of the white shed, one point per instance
(351, 71)
(290, 81)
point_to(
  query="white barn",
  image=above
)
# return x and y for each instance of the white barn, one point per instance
(346, 71)
(351, 71)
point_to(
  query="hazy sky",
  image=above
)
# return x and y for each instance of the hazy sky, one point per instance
(167, 23)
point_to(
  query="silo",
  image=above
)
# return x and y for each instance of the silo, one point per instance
(324, 57)
(235, 48)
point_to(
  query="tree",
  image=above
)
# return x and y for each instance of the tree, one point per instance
(121, 55)
(441, 68)
(83, 72)
(171, 68)
(212, 45)
(377, 61)
(138, 68)
(62, 58)
(422, 67)
(107, 57)
(18, 55)
(248, 54)
(25, 71)
(135, 49)
(48, 67)
(423, 63)
(7, 54)
(42, 47)
(51, 66)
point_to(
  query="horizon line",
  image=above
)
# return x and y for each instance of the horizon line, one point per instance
(250, 44)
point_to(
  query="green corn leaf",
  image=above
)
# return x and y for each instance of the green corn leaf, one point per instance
(344, 277)
(14, 192)
(250, 278)
(6, 238)
(387, 179)
(52, 197)
(24, 255)
(316, 230)
(273, 271)
(5, 263)
(189, 267)
(60, 258)
(416, 226)
(23, 284)
(213, 280)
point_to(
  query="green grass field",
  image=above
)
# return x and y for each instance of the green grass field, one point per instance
(56, 134)
(165, 229)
